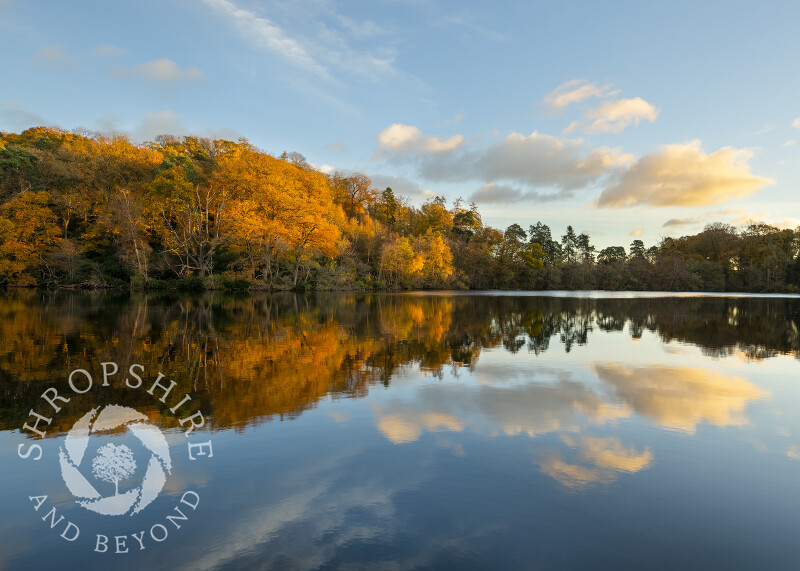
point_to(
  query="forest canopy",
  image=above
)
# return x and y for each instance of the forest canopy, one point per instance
(85, 210)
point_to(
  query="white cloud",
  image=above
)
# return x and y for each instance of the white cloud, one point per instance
(679, 222)
(492, 193)
(51, 53)
(54, 56)
(434, 145)
(535, 162)
(15, 118)
(637, 232)
(267, 35)
(401, 138)
(733, 216)
(787, 224)
(325, 168)
(163, 71)
(225, 133)
(796, 123)
(743, 217)
(365, 29)
(683, 175)
(170, 123)
(401, 186)
(107, 50)
(160, 123)
(574, 91)
(397, 136)
(336, 146)
(473, 26)
(790, 143)
(616, 116)
(765, 129)
(544, 160)
(111, 123)
(314, 38)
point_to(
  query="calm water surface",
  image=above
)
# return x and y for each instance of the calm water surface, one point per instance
(418, 431)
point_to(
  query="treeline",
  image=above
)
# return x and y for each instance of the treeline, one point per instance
(78, 209)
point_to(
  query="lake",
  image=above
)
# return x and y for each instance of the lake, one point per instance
(499, 430)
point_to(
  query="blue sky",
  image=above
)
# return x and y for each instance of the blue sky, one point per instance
(624, 119)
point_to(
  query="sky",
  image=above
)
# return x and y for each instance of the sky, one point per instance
(626, 120)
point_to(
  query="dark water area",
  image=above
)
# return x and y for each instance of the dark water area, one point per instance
(399, 431)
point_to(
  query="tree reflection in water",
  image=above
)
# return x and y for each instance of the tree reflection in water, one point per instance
(252, 358)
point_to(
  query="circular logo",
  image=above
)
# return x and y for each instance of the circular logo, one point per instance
(114, 463)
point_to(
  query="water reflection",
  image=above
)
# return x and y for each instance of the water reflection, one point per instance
(254, 358)
(681, 397)
(606, 459)
(532, 408)
(677, 398)
(436, 431)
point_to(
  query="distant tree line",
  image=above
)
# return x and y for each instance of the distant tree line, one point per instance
(83, 210)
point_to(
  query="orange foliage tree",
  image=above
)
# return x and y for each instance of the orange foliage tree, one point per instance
(28, 229)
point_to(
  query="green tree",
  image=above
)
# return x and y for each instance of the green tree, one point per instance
(569, 245)
(637, 249)
(611, 254)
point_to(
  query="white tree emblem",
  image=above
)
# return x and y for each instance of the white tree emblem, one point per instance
(114, 463)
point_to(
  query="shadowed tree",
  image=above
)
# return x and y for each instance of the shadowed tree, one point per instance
(637, 249)
(569, 245)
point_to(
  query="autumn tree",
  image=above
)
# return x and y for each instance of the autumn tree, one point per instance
(353, 192)
(282, 212)
(433, 216)
(191, 219)
(83, 208)
(437, 266)
(129, 223)
(28, 231)
(399, 264)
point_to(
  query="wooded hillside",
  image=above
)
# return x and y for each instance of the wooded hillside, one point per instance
(80, 209)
